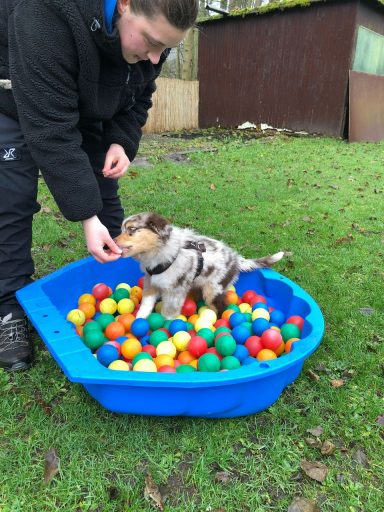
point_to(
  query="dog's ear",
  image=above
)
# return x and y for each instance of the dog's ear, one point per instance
(159, 225)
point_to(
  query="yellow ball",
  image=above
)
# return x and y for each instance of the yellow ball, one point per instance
(145, 365)
(158, 307)
(209, 314)
(123, 285)
(182, 317)
(181, 339)
(108, 306)
(87, 297)
(245, 308)
(166, 348)
(76, 316)
(202, 323)
(201, 309)
(125, 306)
(260, 313)
(119, 365)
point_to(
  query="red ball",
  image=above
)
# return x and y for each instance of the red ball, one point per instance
(101, 291)
(271, 338)
(296, 320)
(166, 369)
(140, 282)
(254, 345)
(115, 344)
(248, 296)
(213, 350)
(189, 307)
(222, 322)
(151, 349)
(197, 346)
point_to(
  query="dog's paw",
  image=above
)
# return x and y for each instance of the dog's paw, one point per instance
(142, 313)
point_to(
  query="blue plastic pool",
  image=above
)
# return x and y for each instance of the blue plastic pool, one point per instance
(239, 392)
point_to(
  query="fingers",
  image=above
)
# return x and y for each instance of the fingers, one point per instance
(116, 162)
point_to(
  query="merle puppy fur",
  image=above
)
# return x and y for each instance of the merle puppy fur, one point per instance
(178, 260)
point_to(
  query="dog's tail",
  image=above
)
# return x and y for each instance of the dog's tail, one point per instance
(248, 265)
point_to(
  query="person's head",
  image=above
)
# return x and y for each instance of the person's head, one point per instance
(148, 27)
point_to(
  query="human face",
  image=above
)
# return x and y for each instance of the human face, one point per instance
(145, 38)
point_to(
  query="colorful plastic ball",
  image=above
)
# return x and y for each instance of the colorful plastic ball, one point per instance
(136, 291)
(260, 313)
(244, 307)
(236, 319)
(208, 335)
(280, 349)
(271, 339)
(164, 360)
(222, 322)
(288, 344)
(119, 365)
(167, 369)
(210, 315)
(225, 345)
(189, 307)
(115, 344)
(121, 293)
(145, 365)
(140, 327)
(76, 316)
(259, 326)
(176, 325)
(208, 363)
(144, 340)
(155, 320)
(241, 352)
(108, 306)
(150, 349)
(94, 339)
(290, 331)
(141, 355)
(197, 346)
(203, 323)
(241, 333)
(106, 354)
(259, 298)
(167, 348)
(88, 309)
(91, 326)
(254, 345)
(130, 348)
(125, 306)
(249, 360)
(181, 339)
(185, 357)
(157, 337)
(114, 330)
(231, 297)
(101, 291)
(259, 305)
(229, 363)
(233, 307)
(86, 297)
(277, 317)
(185, 368)
(126, 319)
(123, 285)
(248, 296)
(266, 354)
(296, 320)
(213, 350)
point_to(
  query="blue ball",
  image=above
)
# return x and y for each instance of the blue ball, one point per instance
(259, 305)
(144, 340)
(249, 360)
(236, 319)
(241, 353)
(259, 325)
(241, 333)
(140, 327)
(277, 317)
(106, 354)
(177, 325)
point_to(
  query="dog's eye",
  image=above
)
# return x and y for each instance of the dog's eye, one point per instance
(131, 230)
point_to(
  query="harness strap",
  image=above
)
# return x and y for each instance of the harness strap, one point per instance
(197, 246)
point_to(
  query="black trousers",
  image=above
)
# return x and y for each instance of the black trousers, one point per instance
(18, 203)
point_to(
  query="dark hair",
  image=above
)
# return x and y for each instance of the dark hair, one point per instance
(181, 14)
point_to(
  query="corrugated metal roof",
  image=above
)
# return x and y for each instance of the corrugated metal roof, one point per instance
(282, 6)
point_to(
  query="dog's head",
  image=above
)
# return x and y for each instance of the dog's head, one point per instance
(143, 233)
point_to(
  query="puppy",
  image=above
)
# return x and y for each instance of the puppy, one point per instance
(176, 261)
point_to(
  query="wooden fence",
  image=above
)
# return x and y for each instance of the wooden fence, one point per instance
(175, 106)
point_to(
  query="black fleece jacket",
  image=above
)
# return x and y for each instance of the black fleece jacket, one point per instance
(66, 70)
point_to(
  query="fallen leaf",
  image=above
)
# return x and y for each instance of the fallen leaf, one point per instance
(345, 239)
(46, 209)
(380, 420)
(316, 431)
(360, 458)
(212, 186)
(222, 476)
(366, 311)
(314, 443)
(337, 383)
(312, 375)
(315, 470)
(151, 492)
(327, 448)
(303, 505)
(51, 466)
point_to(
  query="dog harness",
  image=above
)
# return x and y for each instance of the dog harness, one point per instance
(197, 246)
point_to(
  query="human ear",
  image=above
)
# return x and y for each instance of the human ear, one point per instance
(122, 6)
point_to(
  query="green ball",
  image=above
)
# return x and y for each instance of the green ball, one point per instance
(248, 318)
(230, 363)
(225, 345)
(94, 339)
(155, 320)
(208, 363)
(105, 319)
(222, 328)
(141, 355)
(167, 323)
(157, 337)
(200, 304)
(235, 307)
(91, 326)
(289, 331)
(208, 335)
(188, 326)
(185, 368)
(121, 293)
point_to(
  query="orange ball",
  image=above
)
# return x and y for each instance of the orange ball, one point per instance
(126, 319)
(194, 363)
(227, 313)
(87, 297)
(137, 292)
(288, 344)
(231, 297)
(266, 354)
(280, 349)
(130, 348)
(88, 309)
(114, 330)
(185, 357)
(192, 319)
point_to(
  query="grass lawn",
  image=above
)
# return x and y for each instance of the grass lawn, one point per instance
(322, 201)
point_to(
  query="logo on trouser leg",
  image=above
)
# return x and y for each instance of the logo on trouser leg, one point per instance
(9, 154)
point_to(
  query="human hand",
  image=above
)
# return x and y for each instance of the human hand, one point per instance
(97, 237)
(116, 162)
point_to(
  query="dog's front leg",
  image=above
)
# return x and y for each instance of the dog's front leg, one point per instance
(148, 301)
(172, 301)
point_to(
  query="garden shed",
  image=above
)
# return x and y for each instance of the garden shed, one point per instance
(311, 66)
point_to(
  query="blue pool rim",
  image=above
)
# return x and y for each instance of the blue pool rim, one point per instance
(48, 300)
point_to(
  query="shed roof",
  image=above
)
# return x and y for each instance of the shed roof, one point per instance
(281, 5)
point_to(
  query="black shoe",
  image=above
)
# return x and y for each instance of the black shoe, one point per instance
(15, 346)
